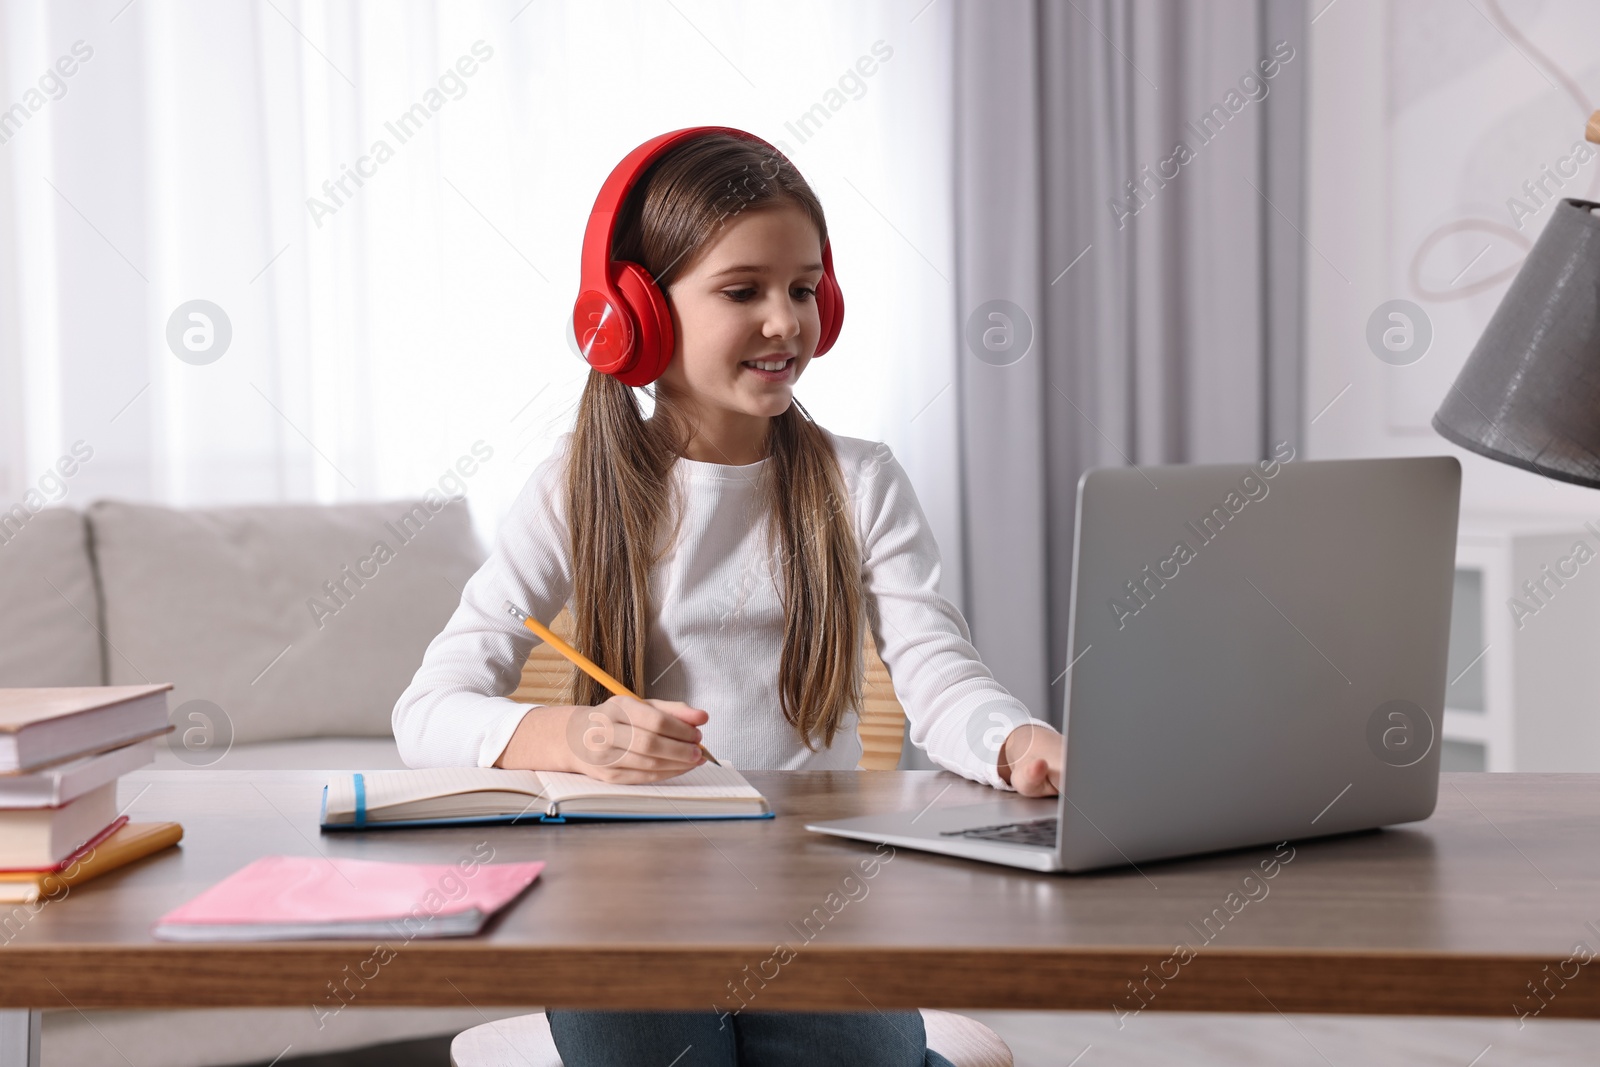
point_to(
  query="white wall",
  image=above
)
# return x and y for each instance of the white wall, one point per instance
(1424, 118)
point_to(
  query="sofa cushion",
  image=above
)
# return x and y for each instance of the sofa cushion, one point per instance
(49, 615)
(278, 621)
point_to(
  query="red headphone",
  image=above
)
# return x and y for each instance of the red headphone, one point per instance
(620, 319)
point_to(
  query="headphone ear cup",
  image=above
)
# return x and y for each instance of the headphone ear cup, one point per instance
(830, 310)
(654, 337)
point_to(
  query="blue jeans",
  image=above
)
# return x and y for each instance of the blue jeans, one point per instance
(749, 1039)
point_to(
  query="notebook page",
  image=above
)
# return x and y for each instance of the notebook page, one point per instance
(400, 787)
(705, 782)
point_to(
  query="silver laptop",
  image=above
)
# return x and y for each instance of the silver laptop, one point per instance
(1257, 655)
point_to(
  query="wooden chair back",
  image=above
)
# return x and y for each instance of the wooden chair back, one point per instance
(545, 676)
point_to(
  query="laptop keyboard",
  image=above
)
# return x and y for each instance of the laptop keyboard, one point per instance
(1039, 832)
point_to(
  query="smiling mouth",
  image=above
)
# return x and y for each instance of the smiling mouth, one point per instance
(769, 368)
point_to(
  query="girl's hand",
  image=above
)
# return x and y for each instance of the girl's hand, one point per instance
(623, 740)
(1030, 760)
(633, 741)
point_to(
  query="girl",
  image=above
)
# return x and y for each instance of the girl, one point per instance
(721, 555)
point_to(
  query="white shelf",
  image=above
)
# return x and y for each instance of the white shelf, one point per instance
(1470, 726)
(1531, 700)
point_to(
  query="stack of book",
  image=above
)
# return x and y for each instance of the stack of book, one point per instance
(61, 753)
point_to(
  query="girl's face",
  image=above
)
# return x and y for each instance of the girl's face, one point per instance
(750, 297)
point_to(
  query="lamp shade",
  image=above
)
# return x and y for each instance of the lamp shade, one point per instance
(1529, 394)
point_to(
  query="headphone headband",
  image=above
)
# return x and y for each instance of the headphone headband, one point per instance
(620, 319)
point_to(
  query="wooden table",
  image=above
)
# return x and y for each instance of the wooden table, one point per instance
(1453, 915)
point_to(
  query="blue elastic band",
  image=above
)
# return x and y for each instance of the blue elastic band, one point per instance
(361, 801)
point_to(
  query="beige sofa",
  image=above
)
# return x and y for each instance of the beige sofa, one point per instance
(288, 639)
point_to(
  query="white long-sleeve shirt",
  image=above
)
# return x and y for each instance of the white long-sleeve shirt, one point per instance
(717, 637)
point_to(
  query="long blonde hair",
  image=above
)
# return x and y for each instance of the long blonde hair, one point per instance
(620, 462)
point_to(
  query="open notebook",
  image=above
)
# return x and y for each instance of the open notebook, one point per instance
(447, 795)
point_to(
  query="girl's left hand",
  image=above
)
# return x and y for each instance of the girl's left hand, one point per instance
(1030, 760)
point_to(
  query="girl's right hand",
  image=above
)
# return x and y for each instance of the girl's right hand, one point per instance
(623, 740)
(632, 741)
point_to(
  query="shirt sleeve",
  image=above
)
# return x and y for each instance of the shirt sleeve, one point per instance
(457, 710)
(958, 713)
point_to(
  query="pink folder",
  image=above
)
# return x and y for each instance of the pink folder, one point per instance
(299, 897)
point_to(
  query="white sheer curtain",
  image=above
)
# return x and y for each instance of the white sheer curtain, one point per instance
(381, 332)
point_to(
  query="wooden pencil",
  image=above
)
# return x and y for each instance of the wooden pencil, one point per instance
(581, 661)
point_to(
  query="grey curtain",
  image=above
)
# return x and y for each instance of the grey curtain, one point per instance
(1121, 301)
